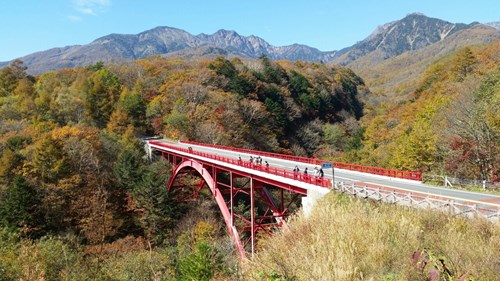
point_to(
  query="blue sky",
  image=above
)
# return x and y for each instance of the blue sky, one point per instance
(28, 26)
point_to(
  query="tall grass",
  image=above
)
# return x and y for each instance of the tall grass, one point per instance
(351, 239)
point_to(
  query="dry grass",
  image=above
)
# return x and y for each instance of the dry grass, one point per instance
(351, 239)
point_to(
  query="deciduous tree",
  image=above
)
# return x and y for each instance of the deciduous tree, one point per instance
(103, 90)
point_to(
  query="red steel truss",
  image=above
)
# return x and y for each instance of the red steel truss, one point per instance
(251, 205)
(286, 173)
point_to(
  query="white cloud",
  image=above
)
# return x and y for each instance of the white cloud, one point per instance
(91, 7)
(74, 18)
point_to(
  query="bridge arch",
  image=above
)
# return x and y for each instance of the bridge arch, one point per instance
(209, 180)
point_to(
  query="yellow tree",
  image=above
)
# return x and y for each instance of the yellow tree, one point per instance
(416, 148)
(118, 122)
(463, 64)
(50, 162)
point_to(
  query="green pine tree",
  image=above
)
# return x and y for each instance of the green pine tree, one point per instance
(19, 206)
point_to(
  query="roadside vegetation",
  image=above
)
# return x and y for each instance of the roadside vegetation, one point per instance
(352, 239)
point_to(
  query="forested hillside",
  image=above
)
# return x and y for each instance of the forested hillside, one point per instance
(396, 76)
(75, 184)
(449, 124)
(78, 200)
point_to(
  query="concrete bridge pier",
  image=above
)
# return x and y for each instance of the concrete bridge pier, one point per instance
(313, 195)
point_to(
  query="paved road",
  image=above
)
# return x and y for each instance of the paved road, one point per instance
(368, 179)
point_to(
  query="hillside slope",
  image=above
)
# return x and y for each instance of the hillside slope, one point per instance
(448, 124)
(79, 199)
(413, 32)
(395, 75)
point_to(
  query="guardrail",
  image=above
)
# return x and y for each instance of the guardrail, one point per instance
(313, 161)
(306, 178)
(380, 171)
(411, 175)
(453, 207)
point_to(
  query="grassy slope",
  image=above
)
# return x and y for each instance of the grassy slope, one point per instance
(351, 239)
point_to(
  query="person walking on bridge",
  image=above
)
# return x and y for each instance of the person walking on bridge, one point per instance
(295, 172)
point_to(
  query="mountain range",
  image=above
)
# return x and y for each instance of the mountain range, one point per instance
(413, 32)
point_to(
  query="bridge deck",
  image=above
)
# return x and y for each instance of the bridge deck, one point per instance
(281, 170)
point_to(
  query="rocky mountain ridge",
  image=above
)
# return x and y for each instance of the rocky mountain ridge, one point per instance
(413, 32)
(163, 41)
(495, 24)
(395, 74)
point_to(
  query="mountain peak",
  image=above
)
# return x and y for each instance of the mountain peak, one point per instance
(410, 33)
(224, 32)
(416, 14)
(162, 28)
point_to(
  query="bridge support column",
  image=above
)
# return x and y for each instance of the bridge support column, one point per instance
(149, 152)
(252, 216)
(231, 195)
(313, 195)
(233, 191)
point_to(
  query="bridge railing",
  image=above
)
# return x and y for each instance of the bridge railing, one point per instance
(257, 152)
(311, 179)
(381, 171)
(468, 209)
(411, 175)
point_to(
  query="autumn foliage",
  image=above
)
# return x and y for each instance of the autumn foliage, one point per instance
(448, 125)
(74, 180)
(73, 171)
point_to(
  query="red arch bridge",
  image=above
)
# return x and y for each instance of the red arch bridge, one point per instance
(257, 190)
